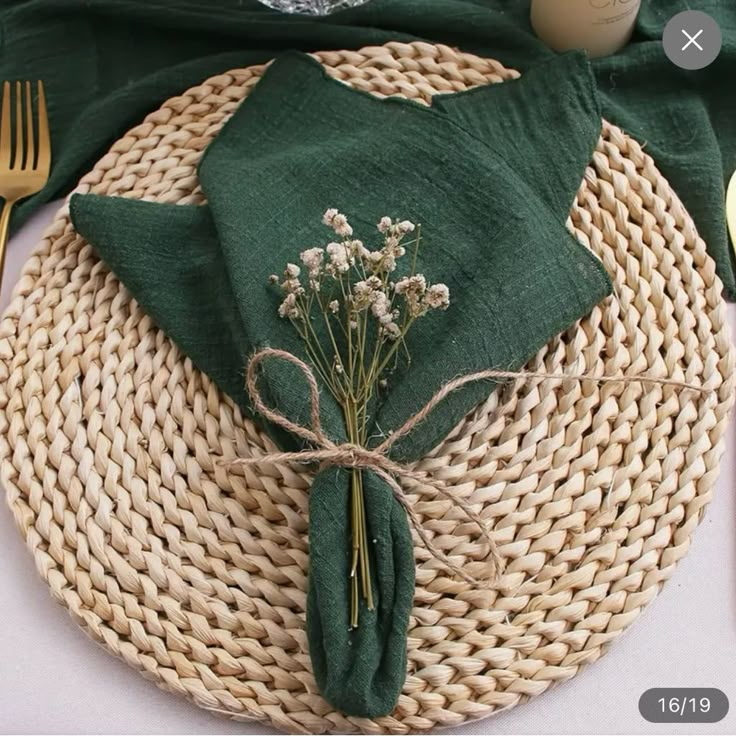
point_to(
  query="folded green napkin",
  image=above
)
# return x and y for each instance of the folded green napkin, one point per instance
(490, 174)
(97, 88)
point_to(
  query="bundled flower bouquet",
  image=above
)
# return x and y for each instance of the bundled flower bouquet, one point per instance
(348, 300)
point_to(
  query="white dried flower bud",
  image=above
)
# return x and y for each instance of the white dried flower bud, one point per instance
(340, 258)
(341, 226)
(312, 259)
(364, 291)
(288, 307)
(380, 305)
(334, 306)
(292, 286)
(413, 288)
(292, 271)
(357, 249)
(273, 279)
(361, 289)
(415, 285)
(437, 297)
(384, 225)
(329, 216)
(405, 227)
(392, 249)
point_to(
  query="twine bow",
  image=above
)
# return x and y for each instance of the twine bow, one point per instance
(349, 455)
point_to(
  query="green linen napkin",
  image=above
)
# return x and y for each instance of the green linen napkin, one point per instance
(107, 63)
(492, 194)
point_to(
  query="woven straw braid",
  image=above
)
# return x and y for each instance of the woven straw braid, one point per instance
(196, 575)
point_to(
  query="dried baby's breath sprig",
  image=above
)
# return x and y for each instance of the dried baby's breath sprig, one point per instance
(353, 315)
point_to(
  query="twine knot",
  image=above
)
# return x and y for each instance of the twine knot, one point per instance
(320, 448)
(350, 455)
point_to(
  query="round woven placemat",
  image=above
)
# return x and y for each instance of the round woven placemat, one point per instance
(196, 576)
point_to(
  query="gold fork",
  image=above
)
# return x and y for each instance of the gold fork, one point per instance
(24, 168)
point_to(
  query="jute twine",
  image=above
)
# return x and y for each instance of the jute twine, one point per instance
(320, 448)
(195, 573)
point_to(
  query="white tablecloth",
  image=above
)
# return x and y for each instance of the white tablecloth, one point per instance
(54, 680)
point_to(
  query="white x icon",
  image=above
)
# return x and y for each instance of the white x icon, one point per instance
(691, 39)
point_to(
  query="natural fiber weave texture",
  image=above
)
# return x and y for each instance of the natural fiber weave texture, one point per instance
(196, 575)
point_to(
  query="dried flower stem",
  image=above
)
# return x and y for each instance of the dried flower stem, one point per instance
(351, 305)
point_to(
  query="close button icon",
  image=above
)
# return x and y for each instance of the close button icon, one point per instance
(692, 39)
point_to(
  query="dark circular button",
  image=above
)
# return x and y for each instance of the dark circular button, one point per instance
(692, 39)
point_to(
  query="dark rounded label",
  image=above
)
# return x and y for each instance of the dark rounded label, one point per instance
(692, 39)
(683, 705)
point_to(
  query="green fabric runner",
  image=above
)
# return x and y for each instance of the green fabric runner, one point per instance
(492, 194)
(109, 62)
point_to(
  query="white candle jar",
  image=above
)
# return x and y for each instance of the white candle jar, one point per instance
(601, 27)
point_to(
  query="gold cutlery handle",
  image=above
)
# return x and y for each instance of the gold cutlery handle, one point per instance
(4, 226)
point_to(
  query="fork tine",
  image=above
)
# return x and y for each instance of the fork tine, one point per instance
(18, 158)
(30, 151)
(5, 128)
(44, 139)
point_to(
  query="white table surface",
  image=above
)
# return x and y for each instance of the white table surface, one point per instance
(54, 680)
